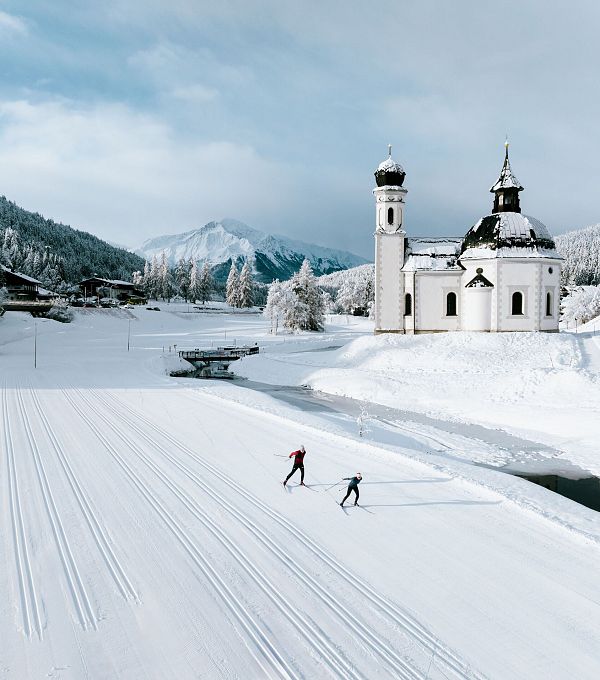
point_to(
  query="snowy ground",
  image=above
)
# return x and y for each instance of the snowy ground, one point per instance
(145, 533)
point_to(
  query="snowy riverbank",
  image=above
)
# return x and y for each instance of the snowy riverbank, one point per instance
(544, 387)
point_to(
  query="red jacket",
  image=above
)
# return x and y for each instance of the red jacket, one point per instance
(298, 456)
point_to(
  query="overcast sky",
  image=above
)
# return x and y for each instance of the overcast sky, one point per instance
(135, 118)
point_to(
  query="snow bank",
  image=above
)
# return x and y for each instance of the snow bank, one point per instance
(530, 383)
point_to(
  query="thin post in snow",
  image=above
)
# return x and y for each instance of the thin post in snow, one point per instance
(35, 343)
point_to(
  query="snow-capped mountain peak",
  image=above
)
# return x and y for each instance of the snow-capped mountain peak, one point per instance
(227, 240)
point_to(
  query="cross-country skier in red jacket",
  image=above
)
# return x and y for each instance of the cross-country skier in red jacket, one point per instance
(298, 464)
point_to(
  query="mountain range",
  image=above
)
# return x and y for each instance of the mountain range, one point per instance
(273, 257)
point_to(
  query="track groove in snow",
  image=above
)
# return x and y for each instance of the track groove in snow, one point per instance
(277, 666)
(394, 613)
(81, 600)
(377, 646)
(32, 621)
(99, 534)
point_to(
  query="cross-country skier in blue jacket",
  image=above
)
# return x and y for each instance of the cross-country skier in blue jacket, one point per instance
(353, 486)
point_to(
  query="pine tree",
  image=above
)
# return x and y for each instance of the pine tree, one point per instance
(154, 279)
(246, 287)
(232, 295)
(10, 252)
(182, 277)
(307, 313)
(195, 285)
(206, 283)
(165, 279)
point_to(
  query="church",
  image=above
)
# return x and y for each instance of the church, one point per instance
(503, 275)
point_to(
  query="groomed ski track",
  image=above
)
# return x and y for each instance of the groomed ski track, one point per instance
(145, 535)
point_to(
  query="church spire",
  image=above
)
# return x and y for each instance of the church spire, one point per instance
(506, 188)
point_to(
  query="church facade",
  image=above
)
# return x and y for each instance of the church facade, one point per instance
(503, 275)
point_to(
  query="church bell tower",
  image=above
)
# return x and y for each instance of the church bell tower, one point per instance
(389, 246)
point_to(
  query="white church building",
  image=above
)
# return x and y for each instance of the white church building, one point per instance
(503, 275)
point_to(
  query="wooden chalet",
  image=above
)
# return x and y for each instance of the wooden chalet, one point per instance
(122, 291)
(20, 287)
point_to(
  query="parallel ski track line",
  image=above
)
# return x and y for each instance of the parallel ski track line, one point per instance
(81, 600)
(32, 620)
(402, 619)
(307, 628)
(115, 568)
(277, 664)
(399, 665)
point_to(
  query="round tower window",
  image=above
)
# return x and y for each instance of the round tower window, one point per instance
(550, 270)
(479, 270)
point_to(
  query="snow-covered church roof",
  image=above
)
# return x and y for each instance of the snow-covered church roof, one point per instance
(508, 234)
(432, 253)
(389, 172)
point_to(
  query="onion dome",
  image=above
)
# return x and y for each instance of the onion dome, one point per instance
(389, 173)
(506, 188)
(508, 234)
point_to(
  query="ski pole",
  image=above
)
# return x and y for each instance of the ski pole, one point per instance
(331, 487)
(279, 455)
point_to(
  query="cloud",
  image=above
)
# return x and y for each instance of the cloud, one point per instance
(196, 93)
(125, 175)
(11, 24)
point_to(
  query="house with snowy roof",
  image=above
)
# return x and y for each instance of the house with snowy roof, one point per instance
(20, 286)
(503, 275)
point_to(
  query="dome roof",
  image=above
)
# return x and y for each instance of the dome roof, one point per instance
(508, 234)
(389, 173)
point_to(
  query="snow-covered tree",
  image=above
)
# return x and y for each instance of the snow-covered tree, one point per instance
(581, 250)
(60, 312)
(206, 283)
(152, 280)
(581, 305)
(297, 303)
(307, 313)
(137, 278)
(182, 277)
(352, 290)
(246, 287)
(10, 252)
(280, 303)
(232, 293)
(165, 279)
(195, 283)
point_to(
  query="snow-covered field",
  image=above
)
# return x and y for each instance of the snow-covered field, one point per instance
(145, 532)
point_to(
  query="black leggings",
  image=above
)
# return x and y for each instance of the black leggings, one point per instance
(350, 490)
(297, 466)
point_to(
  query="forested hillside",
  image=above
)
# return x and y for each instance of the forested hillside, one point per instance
(32, 244)
(581, 250)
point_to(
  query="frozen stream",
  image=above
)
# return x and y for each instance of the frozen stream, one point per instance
(531, 460)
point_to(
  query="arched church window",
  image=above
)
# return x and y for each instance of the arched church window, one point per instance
(451, 304)
(407, 304)
(390, 216)
(549, 304)
(517, 304)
